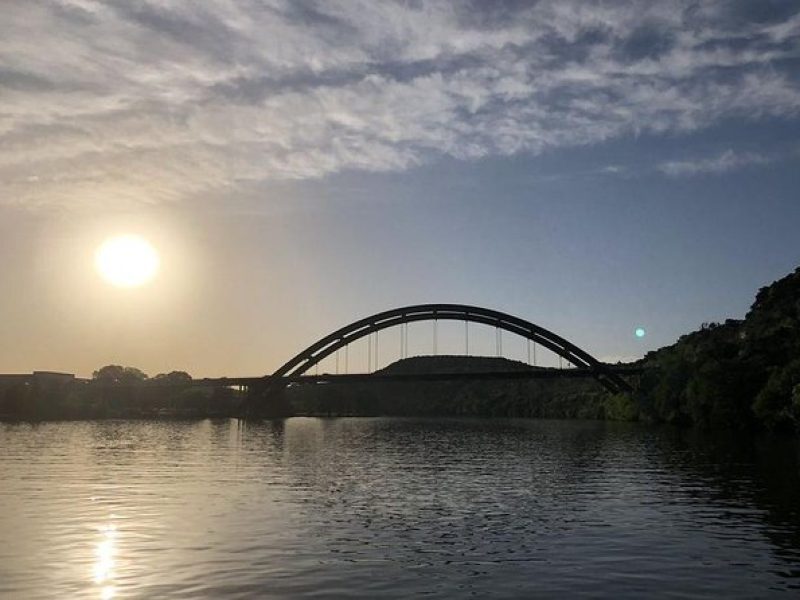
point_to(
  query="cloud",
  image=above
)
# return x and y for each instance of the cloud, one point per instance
(164, 100)
(722, 163)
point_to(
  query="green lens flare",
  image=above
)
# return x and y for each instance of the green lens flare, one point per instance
(640, 333)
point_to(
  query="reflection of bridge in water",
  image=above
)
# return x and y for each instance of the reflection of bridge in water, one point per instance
(262, 390)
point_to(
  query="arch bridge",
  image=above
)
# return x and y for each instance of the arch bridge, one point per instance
(302, 362)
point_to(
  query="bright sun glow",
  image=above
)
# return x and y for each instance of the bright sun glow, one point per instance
(126, 261)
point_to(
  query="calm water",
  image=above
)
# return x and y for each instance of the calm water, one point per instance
(387, 507)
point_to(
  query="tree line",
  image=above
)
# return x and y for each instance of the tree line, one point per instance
(743, 373)
(737, 374)
(116, 391)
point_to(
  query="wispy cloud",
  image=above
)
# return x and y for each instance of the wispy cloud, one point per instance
(722, 163)
(163, 100)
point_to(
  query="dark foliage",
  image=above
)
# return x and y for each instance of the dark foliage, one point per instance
(116, 392)
(739, 374)
(535, 398)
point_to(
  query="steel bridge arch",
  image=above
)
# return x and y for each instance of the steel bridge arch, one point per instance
(340, 338)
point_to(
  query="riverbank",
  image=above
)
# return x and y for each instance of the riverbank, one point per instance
(740, 374)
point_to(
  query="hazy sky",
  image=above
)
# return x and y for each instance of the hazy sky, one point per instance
(589, 166)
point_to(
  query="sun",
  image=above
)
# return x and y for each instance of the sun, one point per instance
(127, 261)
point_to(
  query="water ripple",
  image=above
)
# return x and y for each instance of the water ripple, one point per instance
(393, 507)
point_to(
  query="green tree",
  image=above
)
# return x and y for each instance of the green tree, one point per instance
(778, 402)
(620, 407)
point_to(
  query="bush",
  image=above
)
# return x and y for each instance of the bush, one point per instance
(621, 407)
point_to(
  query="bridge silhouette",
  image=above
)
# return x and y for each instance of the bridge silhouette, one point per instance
(263, 390)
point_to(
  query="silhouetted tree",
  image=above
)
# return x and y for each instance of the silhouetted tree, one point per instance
(173, 377)
(739, 373)
(119, 374)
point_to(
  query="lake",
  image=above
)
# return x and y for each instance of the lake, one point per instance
(371, 507)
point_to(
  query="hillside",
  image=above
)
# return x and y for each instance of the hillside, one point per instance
(740, 373)
(416, 365)
(542, 398)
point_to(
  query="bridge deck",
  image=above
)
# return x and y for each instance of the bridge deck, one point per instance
(405, 377)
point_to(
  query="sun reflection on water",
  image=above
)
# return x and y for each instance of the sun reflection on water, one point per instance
(107, 592)
(104, 563)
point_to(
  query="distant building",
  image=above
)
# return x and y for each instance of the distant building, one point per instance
(52, 377)
(45, 378)
(9, 379)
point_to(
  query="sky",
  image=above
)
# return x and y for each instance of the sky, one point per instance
(592, 167)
